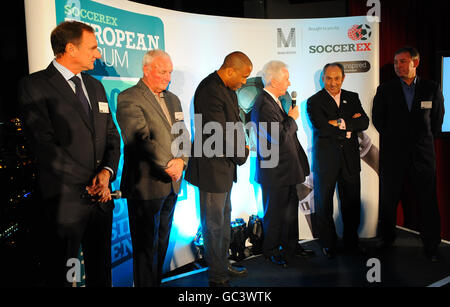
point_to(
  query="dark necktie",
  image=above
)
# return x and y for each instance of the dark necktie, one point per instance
(81, 96)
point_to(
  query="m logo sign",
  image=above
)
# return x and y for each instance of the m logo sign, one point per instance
(287, 43)
(282, 41)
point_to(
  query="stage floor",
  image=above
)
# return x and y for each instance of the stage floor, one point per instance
(404, 265)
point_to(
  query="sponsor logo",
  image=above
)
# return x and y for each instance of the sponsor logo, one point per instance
(340, 48)
(361, 33)
(356, 66)
(286, 44)
(282, 41)
(123, 37)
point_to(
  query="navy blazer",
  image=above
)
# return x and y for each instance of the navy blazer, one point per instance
(328, 140)
(70, 150)
(408, 136)
(216, 104)
(293, 166)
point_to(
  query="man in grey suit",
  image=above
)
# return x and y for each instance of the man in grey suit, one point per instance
(146, 113)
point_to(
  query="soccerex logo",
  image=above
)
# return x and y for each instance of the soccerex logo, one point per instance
(359, 32)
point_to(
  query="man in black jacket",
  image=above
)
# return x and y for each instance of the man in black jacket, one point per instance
(281, 165)
(336, 116)
(408, 113)
(213, 168)
(77, 147)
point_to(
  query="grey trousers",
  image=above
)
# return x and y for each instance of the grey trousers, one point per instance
(215, 214)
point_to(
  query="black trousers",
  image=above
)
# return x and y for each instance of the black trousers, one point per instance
(71, 222)
(280, 221)
(422, 185)
(150, 225)
(215, 213)
(349, 194)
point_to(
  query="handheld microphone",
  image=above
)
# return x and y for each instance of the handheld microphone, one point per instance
(294, 98)
(116, 194)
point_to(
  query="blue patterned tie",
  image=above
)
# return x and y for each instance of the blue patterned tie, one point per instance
(81, 96)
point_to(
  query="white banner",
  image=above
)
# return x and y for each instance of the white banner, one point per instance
(198, 45)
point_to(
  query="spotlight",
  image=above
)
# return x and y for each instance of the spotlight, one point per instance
(198, 243)
(239, 235)
(255, 233)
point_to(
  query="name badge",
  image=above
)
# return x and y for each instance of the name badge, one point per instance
(103, 107)
(179, 116)
(426, 104)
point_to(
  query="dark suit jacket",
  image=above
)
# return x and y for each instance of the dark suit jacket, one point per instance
(407, 136)
(293, 166)
(70, 150)
(329, 140)
(148, 139)
(216, 103)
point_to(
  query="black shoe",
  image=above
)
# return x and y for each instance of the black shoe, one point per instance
(304, 253)
(330, 253)
(278, 260)
(219, 284)
(384, 244)
(432, 256)
(237, 271)
(355, 249)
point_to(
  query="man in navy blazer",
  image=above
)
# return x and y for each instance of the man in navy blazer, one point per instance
(408, 113)
(281, 165)
(336, 116)
(77, 147)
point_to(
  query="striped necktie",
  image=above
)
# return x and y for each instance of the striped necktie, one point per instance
(81, 96)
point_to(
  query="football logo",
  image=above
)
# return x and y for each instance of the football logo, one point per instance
(359, 32)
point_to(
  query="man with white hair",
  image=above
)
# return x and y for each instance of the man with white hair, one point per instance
(278, 182)
(152, 174)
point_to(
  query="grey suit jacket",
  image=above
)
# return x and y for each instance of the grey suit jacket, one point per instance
(147, 137)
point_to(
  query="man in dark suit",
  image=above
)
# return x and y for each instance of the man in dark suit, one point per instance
(408, 113)
(213, 169)
(77, 147)
(281, 165)
(152, 171)
(336, 116)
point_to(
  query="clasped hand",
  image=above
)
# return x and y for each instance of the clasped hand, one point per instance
(175, 168)
(100, 186)
(340, 123)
